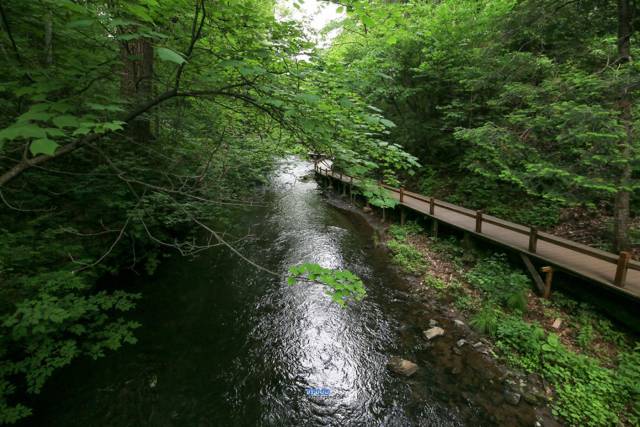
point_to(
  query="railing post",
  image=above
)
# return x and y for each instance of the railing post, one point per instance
(340, 176)
(401, 194)
(621, 271)
(533, 239)
(432, 206)
(547, 281)
(479, 221)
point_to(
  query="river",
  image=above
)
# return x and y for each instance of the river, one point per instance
(224, 344)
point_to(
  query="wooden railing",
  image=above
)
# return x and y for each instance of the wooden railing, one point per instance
(622, 261)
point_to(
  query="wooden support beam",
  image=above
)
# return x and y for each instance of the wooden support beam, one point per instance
(537, 280)
(548, 270)
(434, 228)
(533, 239)
(403, 214)
(384, 214)
(478, 221)
(621, 270)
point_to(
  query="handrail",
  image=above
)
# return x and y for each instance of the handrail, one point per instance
(621, 260)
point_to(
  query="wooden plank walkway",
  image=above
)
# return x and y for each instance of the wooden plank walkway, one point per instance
(603, 268)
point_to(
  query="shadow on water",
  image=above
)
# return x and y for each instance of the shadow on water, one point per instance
(223, 344)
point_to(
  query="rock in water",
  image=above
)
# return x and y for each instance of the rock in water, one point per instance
(433, 332)
(511, 397)
(401, 366)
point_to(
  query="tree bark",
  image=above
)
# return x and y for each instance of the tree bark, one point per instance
(621, 240)
(48, 39)
(136, 83)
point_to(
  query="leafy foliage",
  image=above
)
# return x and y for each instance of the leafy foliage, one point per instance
(500, 283)
(130, 129)
(404, 253)
(343, 286)
(517, 100)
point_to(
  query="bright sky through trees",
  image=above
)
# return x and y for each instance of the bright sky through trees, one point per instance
(314, 15)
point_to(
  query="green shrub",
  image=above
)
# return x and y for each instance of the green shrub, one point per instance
(407, 257)
(434, 282)
(486, 321)
(588, 394)
(500, 282)
(401, 232)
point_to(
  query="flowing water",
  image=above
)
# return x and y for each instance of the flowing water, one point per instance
(224, 344)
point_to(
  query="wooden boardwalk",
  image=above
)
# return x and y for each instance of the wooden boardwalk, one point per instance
(616, 272)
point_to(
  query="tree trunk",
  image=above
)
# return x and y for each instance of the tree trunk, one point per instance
(621, 207)
(136, 83)
(48, 39)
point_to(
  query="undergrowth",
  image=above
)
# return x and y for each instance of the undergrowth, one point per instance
(594, 385)
(404, 254)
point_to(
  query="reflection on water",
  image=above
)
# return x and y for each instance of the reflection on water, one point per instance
(223, 344)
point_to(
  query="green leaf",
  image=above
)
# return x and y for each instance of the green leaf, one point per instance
(43, 146)
(308, 98)
(170, 55)
(22, 131)
(66, 121)
(104, 107)
(81, 23)
(387, 123)
(34, 116)
(139, 12)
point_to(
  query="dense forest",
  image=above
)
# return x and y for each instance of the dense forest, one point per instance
(133, 129)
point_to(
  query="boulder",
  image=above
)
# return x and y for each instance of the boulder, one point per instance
(511, 397)
(433, 332)
(458, 322)
(461, 342)
(401, 366)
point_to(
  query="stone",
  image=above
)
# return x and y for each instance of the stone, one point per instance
(512, 398)
(401, 366)
(458, 322)
(433, 322)
(433, 332)
(367, 209)
(456, 370)
(534, 396)
(457, 351)
(478, 344)
(557, 323)
(461, 342)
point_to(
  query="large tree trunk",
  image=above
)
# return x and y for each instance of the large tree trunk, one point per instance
(621, 206)
(136, 83)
